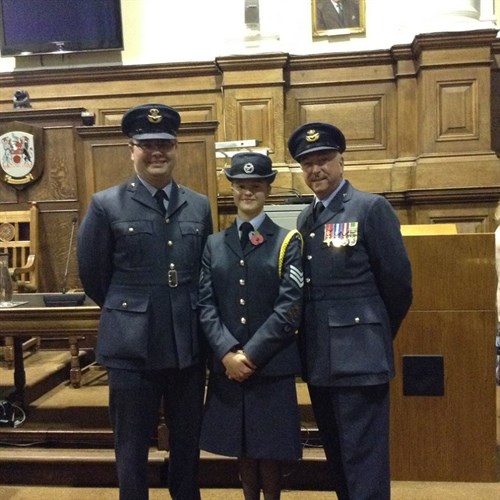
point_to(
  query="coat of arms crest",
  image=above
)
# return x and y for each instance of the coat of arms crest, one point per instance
(19, 165)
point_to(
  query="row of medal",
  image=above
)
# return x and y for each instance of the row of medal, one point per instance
(341, 234)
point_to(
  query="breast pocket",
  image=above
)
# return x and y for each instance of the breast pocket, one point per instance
(133, 242)
(192, 237)
(358, 338)
(124, 326)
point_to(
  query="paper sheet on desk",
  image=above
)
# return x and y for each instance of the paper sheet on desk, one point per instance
(4, 305)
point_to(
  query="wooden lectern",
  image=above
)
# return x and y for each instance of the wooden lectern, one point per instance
(443, 421)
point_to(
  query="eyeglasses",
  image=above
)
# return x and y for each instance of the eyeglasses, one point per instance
(148, 146)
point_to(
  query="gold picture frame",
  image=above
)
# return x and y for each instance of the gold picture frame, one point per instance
(329, 19)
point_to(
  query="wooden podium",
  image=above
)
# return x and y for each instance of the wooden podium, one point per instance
(443, 421)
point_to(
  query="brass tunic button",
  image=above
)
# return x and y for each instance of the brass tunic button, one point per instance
(242, 263)
(170, 243)
(167, 221)
(356, 320)
(243, 321)
(124, 305)
(172, 265)
(130, 229)
(308, 280)
(242, 282)
(312, 235)
(242, 302)
(309, 257)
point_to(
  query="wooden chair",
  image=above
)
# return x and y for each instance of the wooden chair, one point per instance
(19, 238)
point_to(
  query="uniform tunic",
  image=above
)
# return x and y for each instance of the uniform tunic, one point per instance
(245, 302)
(358, 290)
(142, 268)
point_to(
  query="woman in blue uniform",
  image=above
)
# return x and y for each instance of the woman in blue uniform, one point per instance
(250, 303)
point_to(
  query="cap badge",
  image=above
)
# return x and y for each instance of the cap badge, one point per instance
(312, 135)
(154, 116)
(248, 168)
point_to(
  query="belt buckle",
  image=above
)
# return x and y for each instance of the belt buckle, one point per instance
(172, 278)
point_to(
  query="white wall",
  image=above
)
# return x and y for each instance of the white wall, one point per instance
(160, 31)
(205, 29)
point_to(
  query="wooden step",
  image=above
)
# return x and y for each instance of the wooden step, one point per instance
(66, 438)
(95, 467)
(44, 370)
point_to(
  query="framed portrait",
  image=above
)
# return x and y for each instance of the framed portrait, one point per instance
(337, 17)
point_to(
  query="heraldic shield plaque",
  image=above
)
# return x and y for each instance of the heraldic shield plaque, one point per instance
(21, 158)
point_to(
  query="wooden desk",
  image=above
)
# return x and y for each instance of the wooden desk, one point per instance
(36, 319)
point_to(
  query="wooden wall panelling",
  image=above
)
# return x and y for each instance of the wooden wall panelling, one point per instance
(120, 87)
(495, 96)
(105, 160)
(407, 117)
(407, 123)
(473, 219)
(416, 115)
(253, 100)
(454, 110)
(357, 93)
(450, 437)
(57, 196)
(470, 208)
(199, 112)
(55, 191)
(197, 165)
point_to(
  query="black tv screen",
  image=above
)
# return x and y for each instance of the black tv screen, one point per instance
(58, 26)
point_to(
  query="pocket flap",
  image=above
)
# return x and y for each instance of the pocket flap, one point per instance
(128, 302)
(130, 228)
(191, 228)
(353, 314)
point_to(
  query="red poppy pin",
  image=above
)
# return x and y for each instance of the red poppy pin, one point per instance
(256, 238)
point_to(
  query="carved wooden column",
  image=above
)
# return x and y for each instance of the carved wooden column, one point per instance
(407, 117)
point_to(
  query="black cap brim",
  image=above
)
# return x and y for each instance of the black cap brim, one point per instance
(154, 135)
(315, 150)
(242, 177)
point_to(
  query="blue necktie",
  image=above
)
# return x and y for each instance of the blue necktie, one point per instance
(318, 208)
(160, 196)
(246, 228)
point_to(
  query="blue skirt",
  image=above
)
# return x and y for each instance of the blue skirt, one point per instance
(258, 418)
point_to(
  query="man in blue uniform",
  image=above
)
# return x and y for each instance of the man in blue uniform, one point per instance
(358, 290)
(139, 253)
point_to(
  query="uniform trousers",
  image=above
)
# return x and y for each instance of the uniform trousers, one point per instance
(354, 427)
(134, 402)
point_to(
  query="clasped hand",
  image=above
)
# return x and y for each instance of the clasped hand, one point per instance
(238, 366)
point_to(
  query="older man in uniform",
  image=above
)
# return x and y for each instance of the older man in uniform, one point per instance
(139, 254)
(358, 290)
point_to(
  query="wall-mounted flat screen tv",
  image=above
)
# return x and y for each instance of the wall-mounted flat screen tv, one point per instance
(30, 27)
